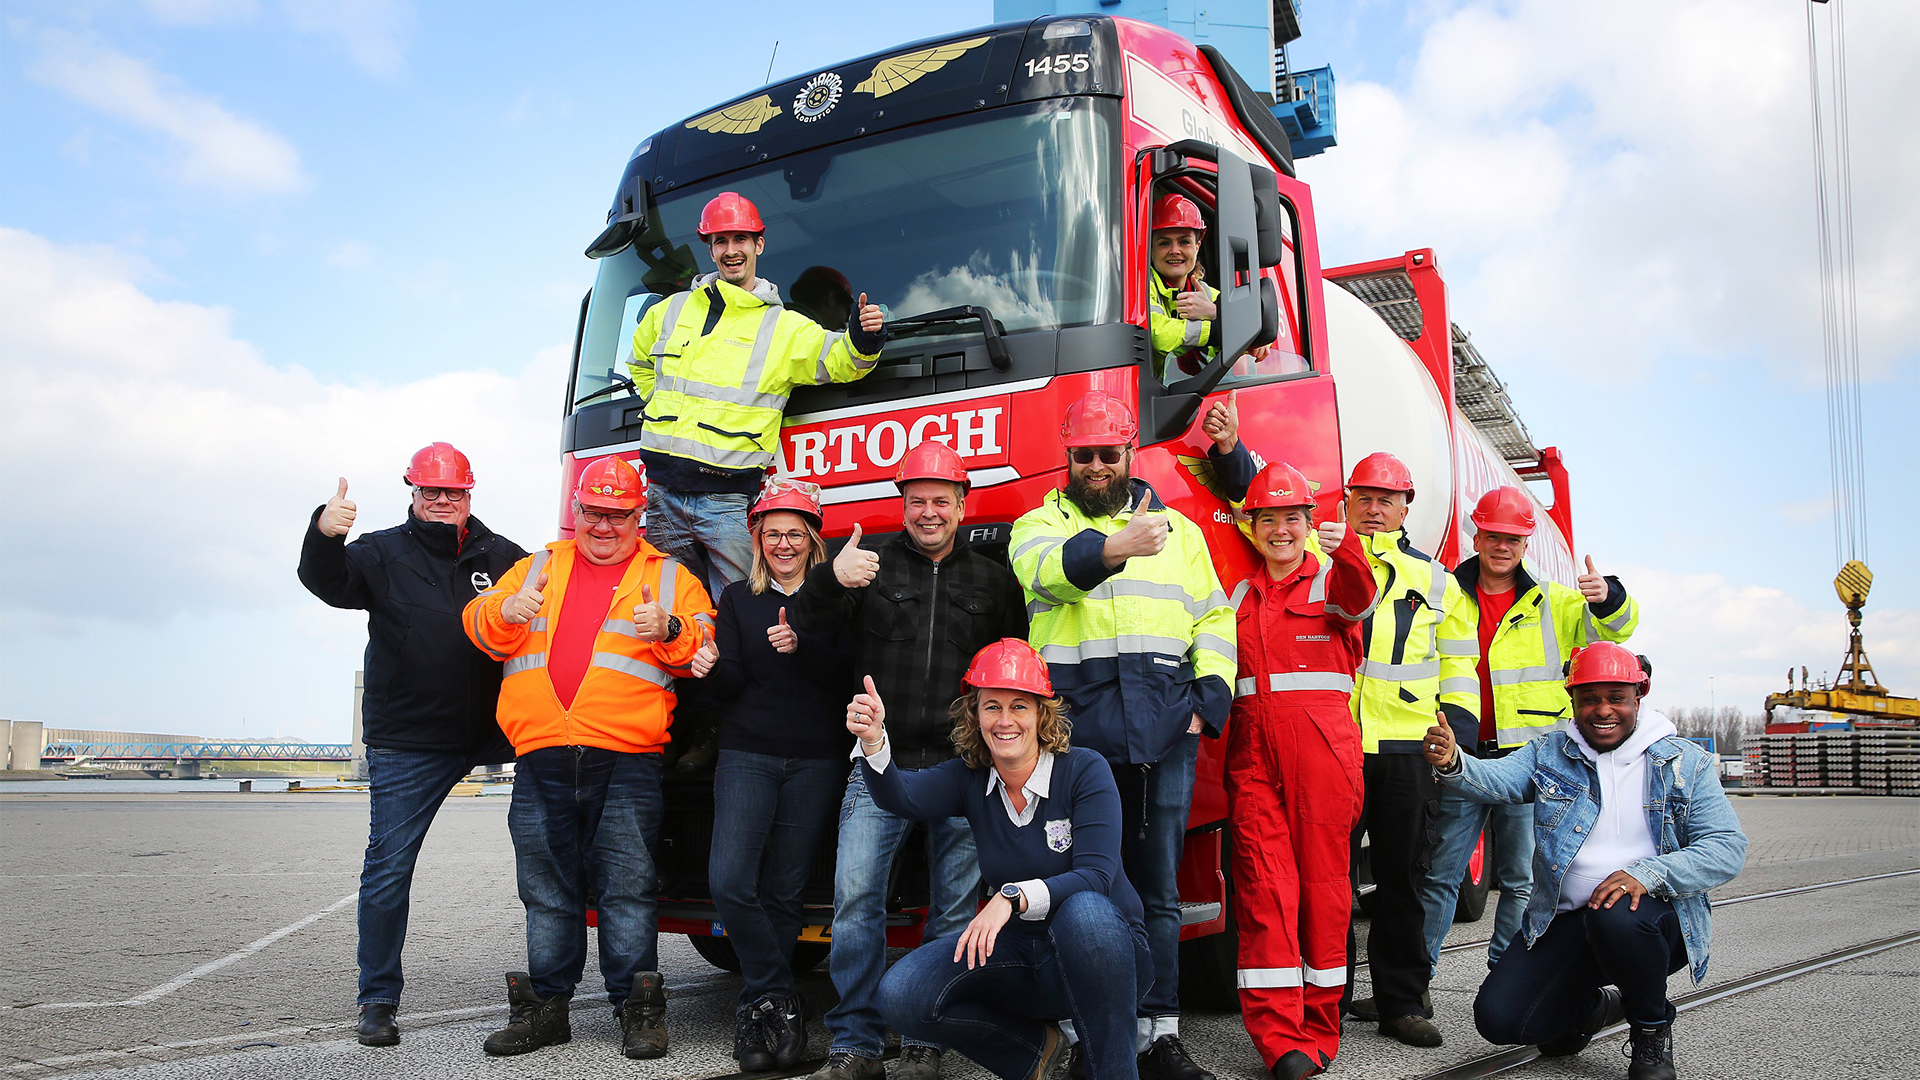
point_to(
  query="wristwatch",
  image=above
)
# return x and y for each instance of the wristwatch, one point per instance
(1012, 894)
(673, 628)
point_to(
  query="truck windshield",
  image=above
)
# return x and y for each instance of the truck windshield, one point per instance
(1012, 210)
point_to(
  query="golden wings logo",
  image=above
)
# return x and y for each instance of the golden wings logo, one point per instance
(898, 72)
(739, 118)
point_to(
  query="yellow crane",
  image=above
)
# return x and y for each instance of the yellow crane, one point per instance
(1855, 694)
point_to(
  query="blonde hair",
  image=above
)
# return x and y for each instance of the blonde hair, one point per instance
(759, 577)
(1052, 728)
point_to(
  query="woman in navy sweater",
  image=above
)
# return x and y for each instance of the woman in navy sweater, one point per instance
(782, 767)
(1063, 936)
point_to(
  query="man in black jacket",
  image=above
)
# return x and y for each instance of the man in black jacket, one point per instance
(428, 709)
(919, 606)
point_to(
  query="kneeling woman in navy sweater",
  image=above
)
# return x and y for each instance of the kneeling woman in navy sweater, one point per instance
(1063, 935)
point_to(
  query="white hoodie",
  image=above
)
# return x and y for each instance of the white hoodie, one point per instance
(1620, 837)
(766, 291)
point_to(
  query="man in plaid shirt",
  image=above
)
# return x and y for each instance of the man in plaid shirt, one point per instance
(921, 604)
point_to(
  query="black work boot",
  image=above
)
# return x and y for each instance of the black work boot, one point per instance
(750, 1041)
(1649, 1051)
(533, 1021)
(784, 1019)
(1165, 1058)
(377, 1026)
(643, 1017)
(1295, 1064)
(1605, 1014)
(1368, 1010)
(847, 1065)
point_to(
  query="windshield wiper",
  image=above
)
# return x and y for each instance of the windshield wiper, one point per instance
(620, 382)
(974, 313)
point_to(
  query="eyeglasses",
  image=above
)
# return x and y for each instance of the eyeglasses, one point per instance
(795, 538)
(614, 517)
(451, 495)
(1107, 455)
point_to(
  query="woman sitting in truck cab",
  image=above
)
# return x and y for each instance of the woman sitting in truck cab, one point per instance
(1064, 935)
(1183, 309)
(781, 771)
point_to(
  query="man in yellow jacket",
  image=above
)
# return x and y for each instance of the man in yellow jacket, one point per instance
(1419, 662)
(593, 632)
(1527, 628)
(1139, 639)
(714, 366)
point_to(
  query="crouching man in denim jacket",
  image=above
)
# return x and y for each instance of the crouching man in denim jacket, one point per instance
(1631, 830)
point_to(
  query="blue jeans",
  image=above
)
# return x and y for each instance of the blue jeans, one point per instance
(1551, 989)
(869, 839)
(1154, 803)
(705, 530)
(1089, 966)
(407, 788)
(585, 819)
(1460, 822)
(768, 815)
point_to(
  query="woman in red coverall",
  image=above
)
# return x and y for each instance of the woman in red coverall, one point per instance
(1293, 772)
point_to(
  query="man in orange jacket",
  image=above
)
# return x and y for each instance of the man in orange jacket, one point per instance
(587, 698)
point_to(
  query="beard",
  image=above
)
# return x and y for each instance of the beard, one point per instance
(1105, 502)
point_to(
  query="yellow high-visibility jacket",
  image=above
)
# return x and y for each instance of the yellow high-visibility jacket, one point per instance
(715, 396)
(1173, 335)
(1525, 661)
(1421, 655)
(1136, 651)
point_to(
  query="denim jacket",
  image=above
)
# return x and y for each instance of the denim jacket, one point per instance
(1699, 839)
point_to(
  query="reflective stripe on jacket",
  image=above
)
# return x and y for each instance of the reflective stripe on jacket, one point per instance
(716, 396)
(1422, 651)
(1136, 651)
(1532, 644)
(1301, 636)
(626, 699)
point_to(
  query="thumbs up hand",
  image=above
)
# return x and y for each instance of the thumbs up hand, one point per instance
(1143, 534)
(522, 606)
(649, 618)
(703, 661)
(781, 636)
(1222, 423)
(1195, 305)
(871, 317)
(1592, 585)
(855, 566)
(867, 717)
(337, 518)
(1332, 531)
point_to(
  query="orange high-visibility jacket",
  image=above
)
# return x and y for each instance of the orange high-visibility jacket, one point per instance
(625, 701)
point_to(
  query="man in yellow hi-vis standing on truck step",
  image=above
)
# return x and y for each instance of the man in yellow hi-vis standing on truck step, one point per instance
(714, 366)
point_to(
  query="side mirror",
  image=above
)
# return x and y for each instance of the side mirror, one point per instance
(625, 219)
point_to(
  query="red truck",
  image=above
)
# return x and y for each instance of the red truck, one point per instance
(991, 190)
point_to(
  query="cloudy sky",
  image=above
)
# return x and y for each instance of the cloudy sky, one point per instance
(248, 246)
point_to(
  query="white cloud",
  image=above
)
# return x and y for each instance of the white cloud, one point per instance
(159, 474)
(200, 12)
(374, 32)
(1613, 183)
(1701, 626)
(218, 149)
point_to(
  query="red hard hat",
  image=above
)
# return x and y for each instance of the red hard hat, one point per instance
(800, 496)
(1383, 471)
(1177, 212)
(1606, 662)
(439, 466)
(730, 211)
(1010, 664)
(1278, 485)
(611, 483)
(932, 460)
(1504, 510)
(1098, 419)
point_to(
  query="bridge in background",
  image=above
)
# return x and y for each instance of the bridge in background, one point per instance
(186, 758)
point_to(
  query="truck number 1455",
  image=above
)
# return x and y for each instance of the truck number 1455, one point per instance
(1058, 65)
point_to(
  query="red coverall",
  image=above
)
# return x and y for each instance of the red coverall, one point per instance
(1294, 793)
